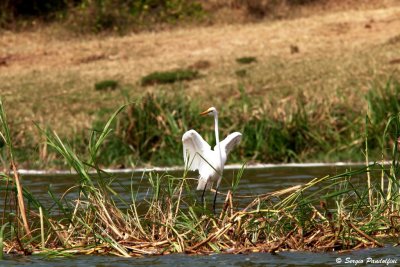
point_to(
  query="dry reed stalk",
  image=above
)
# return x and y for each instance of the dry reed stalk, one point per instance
(107, 220)
(264, 197)
(210, 237)
(20, 197)
(114, 243)
(227, 202)
(60, 234)
(231, 205)
(368, 173)
(179, 197)
(379, 244)
(42, 227)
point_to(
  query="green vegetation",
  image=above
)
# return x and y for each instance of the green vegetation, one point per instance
(241, 73)
(331, 213)
(102, 15)
(246, 60)
(106, 85)
(162, 77)
(151, 128)
(122, 16)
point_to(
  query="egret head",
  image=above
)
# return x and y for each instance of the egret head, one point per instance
(211, 111)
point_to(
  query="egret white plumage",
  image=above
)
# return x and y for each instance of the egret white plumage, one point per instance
(198, 155)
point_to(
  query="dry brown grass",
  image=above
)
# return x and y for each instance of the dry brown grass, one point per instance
(48, 76)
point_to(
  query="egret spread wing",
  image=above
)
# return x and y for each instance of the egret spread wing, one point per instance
(231, 141)
(194, 148)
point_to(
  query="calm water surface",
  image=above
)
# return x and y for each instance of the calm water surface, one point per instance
(390, 254)
(254, 181)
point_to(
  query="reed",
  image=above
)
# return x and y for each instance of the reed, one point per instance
(332, 213)
(5, 135)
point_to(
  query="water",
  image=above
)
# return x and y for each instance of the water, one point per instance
(254, 181)
(390, 254)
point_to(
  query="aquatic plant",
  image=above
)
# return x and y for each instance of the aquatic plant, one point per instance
(332, 213)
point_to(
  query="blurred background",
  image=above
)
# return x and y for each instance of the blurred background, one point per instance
(303, 80)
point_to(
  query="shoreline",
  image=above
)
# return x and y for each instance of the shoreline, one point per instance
(33, 172)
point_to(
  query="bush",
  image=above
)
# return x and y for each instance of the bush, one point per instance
(263, 8)
(100, 15)
(12, 10)
(120, 15)
(160, 77)
(246, 60)
(106, 85)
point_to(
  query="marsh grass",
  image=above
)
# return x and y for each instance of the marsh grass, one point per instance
(332, 213)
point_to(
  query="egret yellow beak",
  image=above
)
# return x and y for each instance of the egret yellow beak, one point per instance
(205, 112)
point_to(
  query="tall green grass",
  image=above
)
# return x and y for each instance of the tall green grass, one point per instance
(152, 128)
(149, 130)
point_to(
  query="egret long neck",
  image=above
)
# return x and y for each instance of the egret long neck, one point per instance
(216, 128)
(217, 140)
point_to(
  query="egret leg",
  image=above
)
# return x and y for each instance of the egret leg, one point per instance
(216, 192)
(202, 195)
(215, 198)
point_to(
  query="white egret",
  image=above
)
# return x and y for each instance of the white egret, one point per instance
(198, 155)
